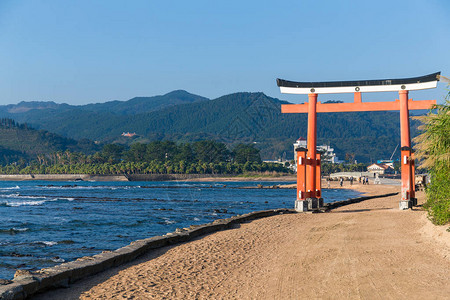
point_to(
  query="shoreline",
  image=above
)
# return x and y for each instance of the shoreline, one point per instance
(89, 288)
(143, 177)
(362, 250)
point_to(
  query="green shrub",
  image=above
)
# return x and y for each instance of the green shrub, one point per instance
(433, 150)
(438, 199)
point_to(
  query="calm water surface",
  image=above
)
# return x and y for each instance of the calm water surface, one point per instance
(46, 223)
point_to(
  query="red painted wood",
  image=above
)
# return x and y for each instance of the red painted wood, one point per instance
(312, 145)
(357, 106)
(301, 175)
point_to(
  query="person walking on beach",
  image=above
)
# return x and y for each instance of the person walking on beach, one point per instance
(341, 181)
(351, 180)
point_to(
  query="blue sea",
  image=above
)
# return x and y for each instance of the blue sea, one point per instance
(46, 223)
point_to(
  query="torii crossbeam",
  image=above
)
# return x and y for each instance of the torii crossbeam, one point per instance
(308, 162)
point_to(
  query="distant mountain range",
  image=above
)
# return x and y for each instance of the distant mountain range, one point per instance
(235, 118)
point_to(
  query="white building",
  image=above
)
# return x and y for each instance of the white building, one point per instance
(380, 169)
(328, 154)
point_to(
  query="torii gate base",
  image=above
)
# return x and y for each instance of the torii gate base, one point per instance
(309, 195)
(408, 198)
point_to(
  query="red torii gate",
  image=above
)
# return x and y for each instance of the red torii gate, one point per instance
(308, 160)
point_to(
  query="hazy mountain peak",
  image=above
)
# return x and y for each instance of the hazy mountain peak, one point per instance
(24, 106)
(178, 93)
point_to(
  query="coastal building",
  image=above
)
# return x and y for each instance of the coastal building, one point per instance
(388, 162)
(380, 169)
(327, 152)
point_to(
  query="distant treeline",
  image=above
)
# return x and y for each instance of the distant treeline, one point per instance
(10, 123)
(159, 157)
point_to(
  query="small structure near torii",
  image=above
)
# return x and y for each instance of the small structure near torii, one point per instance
(308, 162)
(380, 169)
(328, 154)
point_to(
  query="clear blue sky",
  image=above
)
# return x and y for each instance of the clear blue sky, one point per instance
(79, 52)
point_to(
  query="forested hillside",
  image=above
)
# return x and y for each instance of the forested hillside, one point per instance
(21, 142)
(236, 118)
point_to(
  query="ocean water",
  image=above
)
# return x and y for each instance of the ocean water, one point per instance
(46, 223)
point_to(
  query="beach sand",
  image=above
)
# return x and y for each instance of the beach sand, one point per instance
(368, 250)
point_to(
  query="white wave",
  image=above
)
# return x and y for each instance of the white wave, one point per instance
(18, 196)
(57, 260)
(50, 187)
(20, 229)
(31, 197)
(167, 221)
(25, 203)
(39, 200)
(10, 195)
(127, 187)
(63, 198)
(11, 188)
(81, 187)
(46, 243)
(14, 230)
(196, 219)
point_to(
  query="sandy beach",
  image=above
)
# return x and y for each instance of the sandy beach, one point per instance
(368, 250)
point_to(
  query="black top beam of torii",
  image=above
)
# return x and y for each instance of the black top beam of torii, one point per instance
(378, 85)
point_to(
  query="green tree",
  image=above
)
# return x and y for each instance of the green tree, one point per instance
(161, 150)
(433, 151)
(243, 153)
(137, 152)
(210, 151)
(113, 152)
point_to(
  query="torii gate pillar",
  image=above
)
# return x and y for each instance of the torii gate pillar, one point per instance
(408, 199)
(309, 166)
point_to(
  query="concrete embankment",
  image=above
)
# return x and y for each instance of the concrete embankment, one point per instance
(88, 177)
(62, 177)
(138, 177)
(167, 177)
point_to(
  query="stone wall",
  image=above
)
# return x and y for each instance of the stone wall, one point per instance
(62, 177)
